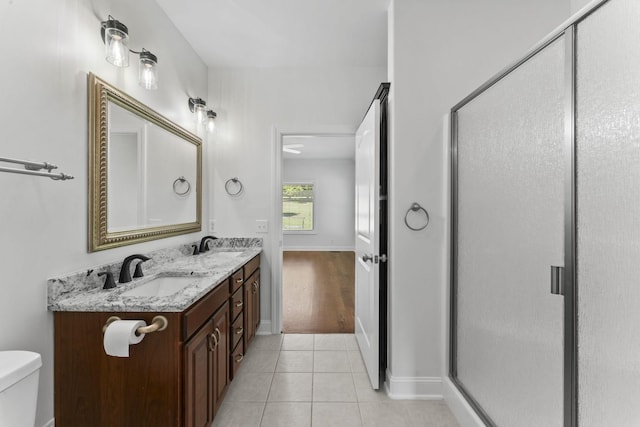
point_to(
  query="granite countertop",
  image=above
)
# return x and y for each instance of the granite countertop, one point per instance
(82, 291)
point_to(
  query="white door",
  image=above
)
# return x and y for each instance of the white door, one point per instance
(367, 311)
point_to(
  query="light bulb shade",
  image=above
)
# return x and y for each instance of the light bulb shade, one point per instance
(197, 106)
(148, 71)
(211, 120)
(116, 42)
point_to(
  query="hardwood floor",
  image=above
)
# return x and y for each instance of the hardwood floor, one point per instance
(318, 292)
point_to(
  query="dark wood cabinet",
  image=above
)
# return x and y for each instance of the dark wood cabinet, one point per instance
(173, 378)
(199, 377)
(220, 353)
(206, 370)
(251, 300)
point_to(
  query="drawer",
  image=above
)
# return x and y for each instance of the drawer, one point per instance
(252, 266)
(203, 309)
(236, 359)
(237, 279)
(237, 303)
(237, 331)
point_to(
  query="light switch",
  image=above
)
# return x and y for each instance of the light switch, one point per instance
(262, 226)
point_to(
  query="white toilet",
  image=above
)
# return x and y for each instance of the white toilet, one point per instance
(19, 374)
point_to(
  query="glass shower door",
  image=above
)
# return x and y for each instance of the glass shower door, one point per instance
(509, 231)
(608, 235)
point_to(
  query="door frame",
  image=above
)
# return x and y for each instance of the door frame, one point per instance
(278, 133)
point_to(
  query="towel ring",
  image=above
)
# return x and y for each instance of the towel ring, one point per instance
(181, 180)
(415, 207)
(236, 181)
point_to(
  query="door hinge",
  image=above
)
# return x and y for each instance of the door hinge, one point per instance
(380, 258)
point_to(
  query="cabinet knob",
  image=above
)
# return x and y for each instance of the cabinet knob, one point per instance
(239, 304)
(239, 358)
(219, 336)
(239, 280)
(239, 331)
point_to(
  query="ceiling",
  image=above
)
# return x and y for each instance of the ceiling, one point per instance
(283, 33)
(319, 147)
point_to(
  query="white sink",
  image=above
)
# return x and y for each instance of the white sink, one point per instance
(160, 287)
(229, 254)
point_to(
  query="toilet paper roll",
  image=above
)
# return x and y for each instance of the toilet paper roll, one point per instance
(120, 335)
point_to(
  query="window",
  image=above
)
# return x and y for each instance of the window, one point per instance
(297, 207)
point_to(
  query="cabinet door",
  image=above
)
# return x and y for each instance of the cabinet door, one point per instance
(249, 329)
(221, 353)
(255, 289)
(199, 378)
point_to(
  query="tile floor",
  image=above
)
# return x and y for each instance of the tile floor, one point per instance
(316, 380)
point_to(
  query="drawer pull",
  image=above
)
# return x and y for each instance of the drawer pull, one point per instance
(219, 337)
(213, 341)
(255, 287)
(239, 304)
(239, 280)
(239, 331)
(239, 358)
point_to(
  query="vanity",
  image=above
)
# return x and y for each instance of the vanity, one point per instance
(174, 377)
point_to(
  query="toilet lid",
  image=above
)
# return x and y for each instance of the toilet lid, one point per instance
(16, 365)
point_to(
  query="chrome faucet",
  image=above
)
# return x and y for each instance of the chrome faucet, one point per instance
(204, 243)
(125, 273)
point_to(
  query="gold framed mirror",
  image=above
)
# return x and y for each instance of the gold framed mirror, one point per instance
(145, 172)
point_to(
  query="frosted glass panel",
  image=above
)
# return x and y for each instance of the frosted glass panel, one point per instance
(608, 153)
(510, 231)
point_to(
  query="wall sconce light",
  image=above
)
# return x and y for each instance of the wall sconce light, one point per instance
(115, 36)
(197, 106)
(211, 120)
(148, 72)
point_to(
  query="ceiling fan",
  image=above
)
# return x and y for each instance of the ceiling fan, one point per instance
(289, 148)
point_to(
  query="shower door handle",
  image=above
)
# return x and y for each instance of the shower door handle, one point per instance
(557, 282)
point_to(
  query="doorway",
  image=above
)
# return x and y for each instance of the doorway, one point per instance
(315, 258)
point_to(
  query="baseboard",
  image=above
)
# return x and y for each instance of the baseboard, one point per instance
(319, 249)
(461, 409)
(264, 328)
(414, 388)
(51, 423)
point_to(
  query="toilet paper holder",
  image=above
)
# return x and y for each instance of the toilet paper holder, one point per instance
(159, 323)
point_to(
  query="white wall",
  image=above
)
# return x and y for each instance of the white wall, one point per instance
(334, 203)
(249, 103)
(48, 47)
(576, 5)
(439, 51)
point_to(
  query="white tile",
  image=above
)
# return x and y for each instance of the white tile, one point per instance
(351, 343)
(333, 387)
(430, 412)
(239, 414)
(265, 342)
(357, 365)
(297, 342)
(365, 391)
(324, 414)
(385, 414)
(329, 342)
(277, 414)
(331, 361)
(249, 387)
(260, 361)
(291, 387)
(295, 361)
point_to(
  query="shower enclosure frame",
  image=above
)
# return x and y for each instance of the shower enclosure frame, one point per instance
(570, 288)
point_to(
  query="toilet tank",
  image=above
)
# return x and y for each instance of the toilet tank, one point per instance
(19, 374)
